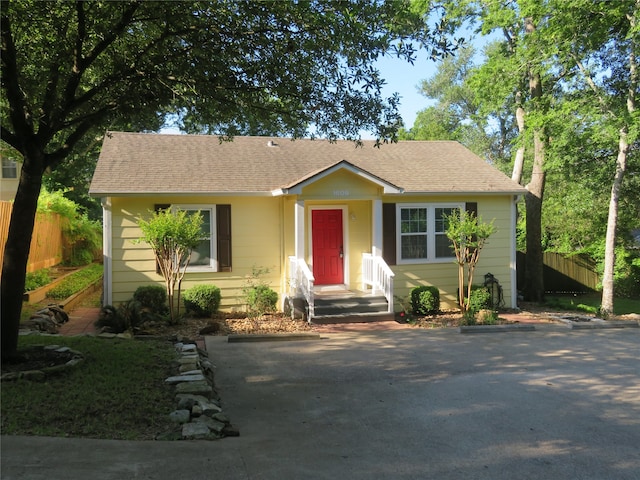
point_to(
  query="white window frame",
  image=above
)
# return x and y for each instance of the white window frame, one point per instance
(213, 244)
(431, 232)
(9, 165)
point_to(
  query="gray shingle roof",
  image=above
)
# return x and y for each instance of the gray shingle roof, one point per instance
(137, 163)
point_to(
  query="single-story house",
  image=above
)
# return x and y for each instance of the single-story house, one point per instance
(319, 216)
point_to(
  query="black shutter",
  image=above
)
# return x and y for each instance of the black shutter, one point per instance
(223, 230)
(389, 233)
(472, 208)
(156, 208)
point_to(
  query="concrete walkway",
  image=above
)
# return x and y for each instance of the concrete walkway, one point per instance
(402, 404)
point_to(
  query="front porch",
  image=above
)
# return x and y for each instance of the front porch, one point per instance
(323, 304)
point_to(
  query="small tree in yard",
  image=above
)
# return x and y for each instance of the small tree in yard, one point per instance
(468, 235)
(172, 235)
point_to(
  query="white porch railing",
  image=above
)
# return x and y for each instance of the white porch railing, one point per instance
(377, 274)
(301, 283)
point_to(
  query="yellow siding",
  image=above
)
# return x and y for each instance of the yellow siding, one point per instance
(263, 236)
(495, 257)
(256, 232)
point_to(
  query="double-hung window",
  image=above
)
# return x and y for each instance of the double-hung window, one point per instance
(213, 253)
(421, 230)
(9, 168)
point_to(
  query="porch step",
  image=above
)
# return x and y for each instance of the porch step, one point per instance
(353, 318)
(351, 308)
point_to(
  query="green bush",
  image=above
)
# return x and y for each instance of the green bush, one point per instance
(260, 300)
(76, 282)
(129, 316)
(202, 300)
(37, 279)
(152, 297)
(480, 299)
(425, 300)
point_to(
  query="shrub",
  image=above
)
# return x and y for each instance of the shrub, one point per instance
(37, 279)
(152, 297)
(480, 299)
(425, 300)
(202, 300)
(260, 300)
(129, 316)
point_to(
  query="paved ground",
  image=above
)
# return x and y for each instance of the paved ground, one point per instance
(401, 404)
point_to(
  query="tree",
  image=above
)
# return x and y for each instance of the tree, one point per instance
(71, 70)
(468, 235)
(596, 48)
(172, 236)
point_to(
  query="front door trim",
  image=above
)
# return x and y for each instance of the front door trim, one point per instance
(345, 237)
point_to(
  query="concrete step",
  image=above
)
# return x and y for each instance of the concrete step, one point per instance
(353, 318)
(349, 305)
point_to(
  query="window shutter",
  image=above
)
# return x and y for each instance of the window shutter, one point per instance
(156, 208)
(472, 207)
(389, 233)
(223, 230)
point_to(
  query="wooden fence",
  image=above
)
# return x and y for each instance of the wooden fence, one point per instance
(47, 242)
(563, 274)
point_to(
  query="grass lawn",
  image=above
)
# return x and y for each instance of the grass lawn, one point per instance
(590, 303)
(118, 392)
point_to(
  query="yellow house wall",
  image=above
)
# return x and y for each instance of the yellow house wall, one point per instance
(256, 231)
(495, 257)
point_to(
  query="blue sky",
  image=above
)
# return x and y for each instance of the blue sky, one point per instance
(405, 78)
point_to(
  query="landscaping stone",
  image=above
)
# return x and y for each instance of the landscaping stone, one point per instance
(180, 416)
(195, 431)
(198, 410)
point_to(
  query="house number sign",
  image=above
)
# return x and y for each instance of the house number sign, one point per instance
(341, 193)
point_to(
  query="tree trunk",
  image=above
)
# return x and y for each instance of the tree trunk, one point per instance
(518, 164)
(16, 251)
(534, 281)
(606, 308)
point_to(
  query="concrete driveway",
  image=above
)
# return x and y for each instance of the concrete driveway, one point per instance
(405, 404)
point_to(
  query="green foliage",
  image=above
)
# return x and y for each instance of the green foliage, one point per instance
(468, 233)
(37, 279)
(172, 235)
(128, 316)
(480, 299)
(84, 235)
(202, 299)
(258, 296)
(261, 299)
(425, 300)
(76, 282)
(152, 297)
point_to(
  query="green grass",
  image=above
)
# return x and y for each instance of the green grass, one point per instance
(118, 392)
(590, 303)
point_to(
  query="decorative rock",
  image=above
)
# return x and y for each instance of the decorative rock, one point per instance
(230, 431)
(180, 416)
(196, 388)
(210, 409)
(196, 410)
(194, 431)
(191, 347)
(198, 377)
(221, 417)
(213, 425)
(186, 403)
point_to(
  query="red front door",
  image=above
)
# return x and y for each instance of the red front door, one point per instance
(326, 228)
